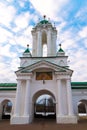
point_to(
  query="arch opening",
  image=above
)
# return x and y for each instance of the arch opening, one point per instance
(82, 109)
(44, 105)
(44, 44)
(6, 109)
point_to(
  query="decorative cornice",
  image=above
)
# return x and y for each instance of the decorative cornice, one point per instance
(44, 64)
(58, 73)
(60, 77)
(24, 76)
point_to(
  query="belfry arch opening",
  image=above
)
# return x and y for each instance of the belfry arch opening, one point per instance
(44, 44)
(44, 105)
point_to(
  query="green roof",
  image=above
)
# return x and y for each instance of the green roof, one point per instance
(27, 50)
(13, 86)
(60, 50)
(79, 85)
(44, 21)
(8, 84)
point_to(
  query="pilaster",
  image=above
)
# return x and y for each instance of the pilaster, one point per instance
(59, 97)
(39, 44)
(69, 97)
(49, 43)
(61, 117)
(18, 98)
(27, 98)
(34, 45)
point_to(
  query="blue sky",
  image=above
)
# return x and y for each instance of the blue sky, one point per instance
(17, 17)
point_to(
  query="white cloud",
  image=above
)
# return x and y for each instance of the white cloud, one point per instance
(85, 42)
(7, 14)
(5, 50)
(49, 7)
(71, 44)
(22, 40)
(78, 64)
(22, 20)
(81, 13)
(21, 3)
(8, 67)
(83, 33)
(4, 35)
(9, 0)
(67, 40)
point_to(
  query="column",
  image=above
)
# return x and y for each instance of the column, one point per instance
(54, 37)
(34, 45)
(59, 97)
(27, 98)
(39, 45)
(69, 97)
(18, 98)
(49, 41)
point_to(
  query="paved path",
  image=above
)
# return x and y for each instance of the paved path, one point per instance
(42, 124)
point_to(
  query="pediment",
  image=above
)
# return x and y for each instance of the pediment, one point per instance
(43, 65)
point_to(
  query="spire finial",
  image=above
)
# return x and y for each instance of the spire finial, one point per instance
(44, 16)
(27, 45)
(60, 49)
(60, 45)
(27, 51)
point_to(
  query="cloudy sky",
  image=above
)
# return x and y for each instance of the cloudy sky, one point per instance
(17, 17)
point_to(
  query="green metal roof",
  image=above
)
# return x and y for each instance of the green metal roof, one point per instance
(79, 85)
(27, 50)
(13, 86)
(8, 84)
(44, 21)
(60, 50)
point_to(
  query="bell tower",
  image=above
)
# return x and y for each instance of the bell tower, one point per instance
(39, 74)
(44, 34)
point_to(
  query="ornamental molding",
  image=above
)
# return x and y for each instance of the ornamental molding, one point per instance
(63, 77)
(44, 64)
(24, 76)
(63, 73)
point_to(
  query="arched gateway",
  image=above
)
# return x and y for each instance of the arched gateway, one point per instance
(49, 74)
